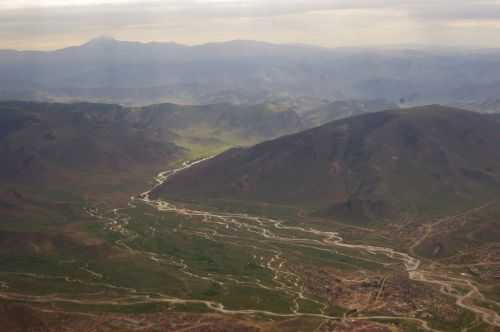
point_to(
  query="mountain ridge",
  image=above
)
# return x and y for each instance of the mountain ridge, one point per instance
(244, 72)
(39, 140)
(367, 167)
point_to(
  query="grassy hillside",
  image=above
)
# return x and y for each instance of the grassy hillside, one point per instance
(211, 129)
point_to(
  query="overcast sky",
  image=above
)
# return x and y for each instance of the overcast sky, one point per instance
(51, 24)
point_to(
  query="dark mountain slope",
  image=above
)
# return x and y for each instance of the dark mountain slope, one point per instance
(48, 143)
(423, 160)
(495, 117)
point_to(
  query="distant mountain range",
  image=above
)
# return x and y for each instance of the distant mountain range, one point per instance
(486, 106)
(346, 108)
(244, 72)
(422, 161)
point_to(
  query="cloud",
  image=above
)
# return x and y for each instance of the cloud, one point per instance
(27, 23)
(423, 9)
(24, 4)
(457, 10)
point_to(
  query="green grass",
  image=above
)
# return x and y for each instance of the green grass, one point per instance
(496, 293)
(240, 298)
(50, 285)
(44, 265)
(233, 254)
(308, 306)
(205, 141)
(338, 260)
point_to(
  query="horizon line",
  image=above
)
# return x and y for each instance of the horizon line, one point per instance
(409, 46)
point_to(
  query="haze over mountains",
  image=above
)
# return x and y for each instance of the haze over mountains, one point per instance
(245, 72)
(345, 108)
(247, 181)
(263, 188)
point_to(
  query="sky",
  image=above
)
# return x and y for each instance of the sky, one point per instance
(53, 24)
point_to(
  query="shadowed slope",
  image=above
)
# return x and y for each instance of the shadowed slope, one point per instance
(57, 142)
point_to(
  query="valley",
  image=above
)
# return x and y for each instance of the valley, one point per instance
(259, 238)
(249, 166)
(270, 290)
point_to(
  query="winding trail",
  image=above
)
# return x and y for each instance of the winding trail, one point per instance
(286, 281)
(412, 264)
